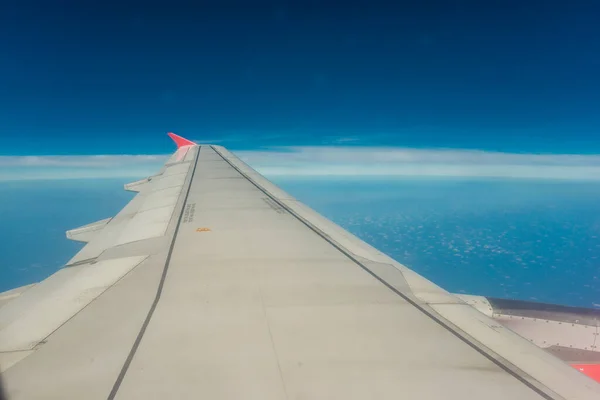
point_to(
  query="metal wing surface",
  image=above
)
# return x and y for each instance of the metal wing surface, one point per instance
(214, 283)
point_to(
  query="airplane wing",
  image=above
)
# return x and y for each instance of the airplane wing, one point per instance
(214, 283)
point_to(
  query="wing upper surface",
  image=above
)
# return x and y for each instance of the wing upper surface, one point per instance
(241, 291)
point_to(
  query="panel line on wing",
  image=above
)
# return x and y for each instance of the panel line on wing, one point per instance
(492, 356)
(161, 284)
(82, 262)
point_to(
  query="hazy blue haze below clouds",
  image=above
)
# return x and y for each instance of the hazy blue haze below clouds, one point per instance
(508, 238)
(35, 216)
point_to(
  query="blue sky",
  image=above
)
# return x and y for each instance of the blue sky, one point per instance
(113, 77)
(484, 91)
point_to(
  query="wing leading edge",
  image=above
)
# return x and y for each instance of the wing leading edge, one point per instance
(238, 290)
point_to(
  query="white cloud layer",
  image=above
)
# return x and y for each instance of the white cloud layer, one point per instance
(78, 167)
(324, 161)
(389, 161)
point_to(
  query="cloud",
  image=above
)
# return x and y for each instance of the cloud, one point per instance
(393, 161)
(79, 167)
(325, 161)
(96, 161)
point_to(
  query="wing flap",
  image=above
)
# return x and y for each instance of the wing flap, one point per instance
(87, 232)
(136, 186)
(12, 294)
(24, 324)
(146, 216)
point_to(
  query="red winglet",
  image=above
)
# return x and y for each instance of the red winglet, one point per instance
(179, 141)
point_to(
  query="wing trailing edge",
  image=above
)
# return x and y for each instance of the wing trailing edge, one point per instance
(137, 185)
(87, 232)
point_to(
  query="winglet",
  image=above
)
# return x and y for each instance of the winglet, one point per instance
(179, 141)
